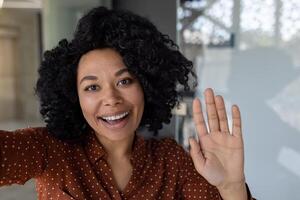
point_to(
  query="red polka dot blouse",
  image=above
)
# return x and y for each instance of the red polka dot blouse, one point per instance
(64, 171)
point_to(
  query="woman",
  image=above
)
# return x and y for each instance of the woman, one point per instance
(117, 75)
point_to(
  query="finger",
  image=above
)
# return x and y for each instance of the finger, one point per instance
(222, 115)
(198, 118)
(236, 121)
(196, 154)
(212, 115)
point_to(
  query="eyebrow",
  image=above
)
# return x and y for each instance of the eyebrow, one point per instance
(121, 71)
(91, 77)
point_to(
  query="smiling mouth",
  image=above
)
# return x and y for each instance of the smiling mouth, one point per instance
(115, 119)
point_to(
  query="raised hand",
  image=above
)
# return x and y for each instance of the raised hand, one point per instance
(219, 154)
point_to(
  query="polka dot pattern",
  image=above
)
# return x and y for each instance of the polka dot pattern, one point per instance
(161, 168)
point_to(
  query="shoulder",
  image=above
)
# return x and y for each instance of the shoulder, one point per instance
(30, 132)
(28, 135)
(169, 144)
(162, 143)
(167, 149)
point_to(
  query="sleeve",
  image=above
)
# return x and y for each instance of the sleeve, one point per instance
(193, 185)
(23, 155)
(249, 195)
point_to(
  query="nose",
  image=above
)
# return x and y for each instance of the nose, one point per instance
(111, 97)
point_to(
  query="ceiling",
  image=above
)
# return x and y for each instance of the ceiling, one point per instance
(30, 4)
(37, 4)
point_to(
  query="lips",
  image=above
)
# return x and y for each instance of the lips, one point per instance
(116, 116)
(114, 121)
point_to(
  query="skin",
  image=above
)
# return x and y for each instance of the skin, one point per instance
(106, 87)
(218, 156)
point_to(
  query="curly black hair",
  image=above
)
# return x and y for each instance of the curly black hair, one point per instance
(149, 55)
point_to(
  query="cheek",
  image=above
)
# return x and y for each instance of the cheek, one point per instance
(87, 104)
(139, 99)
(142, 102)
(136, 98)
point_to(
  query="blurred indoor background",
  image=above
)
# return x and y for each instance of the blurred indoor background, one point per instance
(247, 50)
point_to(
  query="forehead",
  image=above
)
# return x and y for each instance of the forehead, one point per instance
(100, 60)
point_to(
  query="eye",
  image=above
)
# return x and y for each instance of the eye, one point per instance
(126, 81)
(91, 88)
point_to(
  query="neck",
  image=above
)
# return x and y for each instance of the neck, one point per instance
(119, 148)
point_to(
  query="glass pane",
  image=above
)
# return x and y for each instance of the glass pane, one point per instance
(261, 73)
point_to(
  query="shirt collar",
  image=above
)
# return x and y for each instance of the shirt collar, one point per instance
(96, 151)
(93, 147)
(140, 153)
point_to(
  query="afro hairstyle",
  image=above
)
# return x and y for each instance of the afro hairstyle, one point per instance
(152, 57)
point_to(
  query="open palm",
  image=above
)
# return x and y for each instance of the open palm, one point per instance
(219, 154)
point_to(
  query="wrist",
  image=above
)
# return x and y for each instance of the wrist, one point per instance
(234, 191)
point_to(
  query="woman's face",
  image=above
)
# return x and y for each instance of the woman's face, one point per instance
(111, 99)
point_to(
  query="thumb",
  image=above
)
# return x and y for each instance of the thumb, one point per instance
(196, 154)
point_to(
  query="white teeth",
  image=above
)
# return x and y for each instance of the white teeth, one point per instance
(115, 117)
